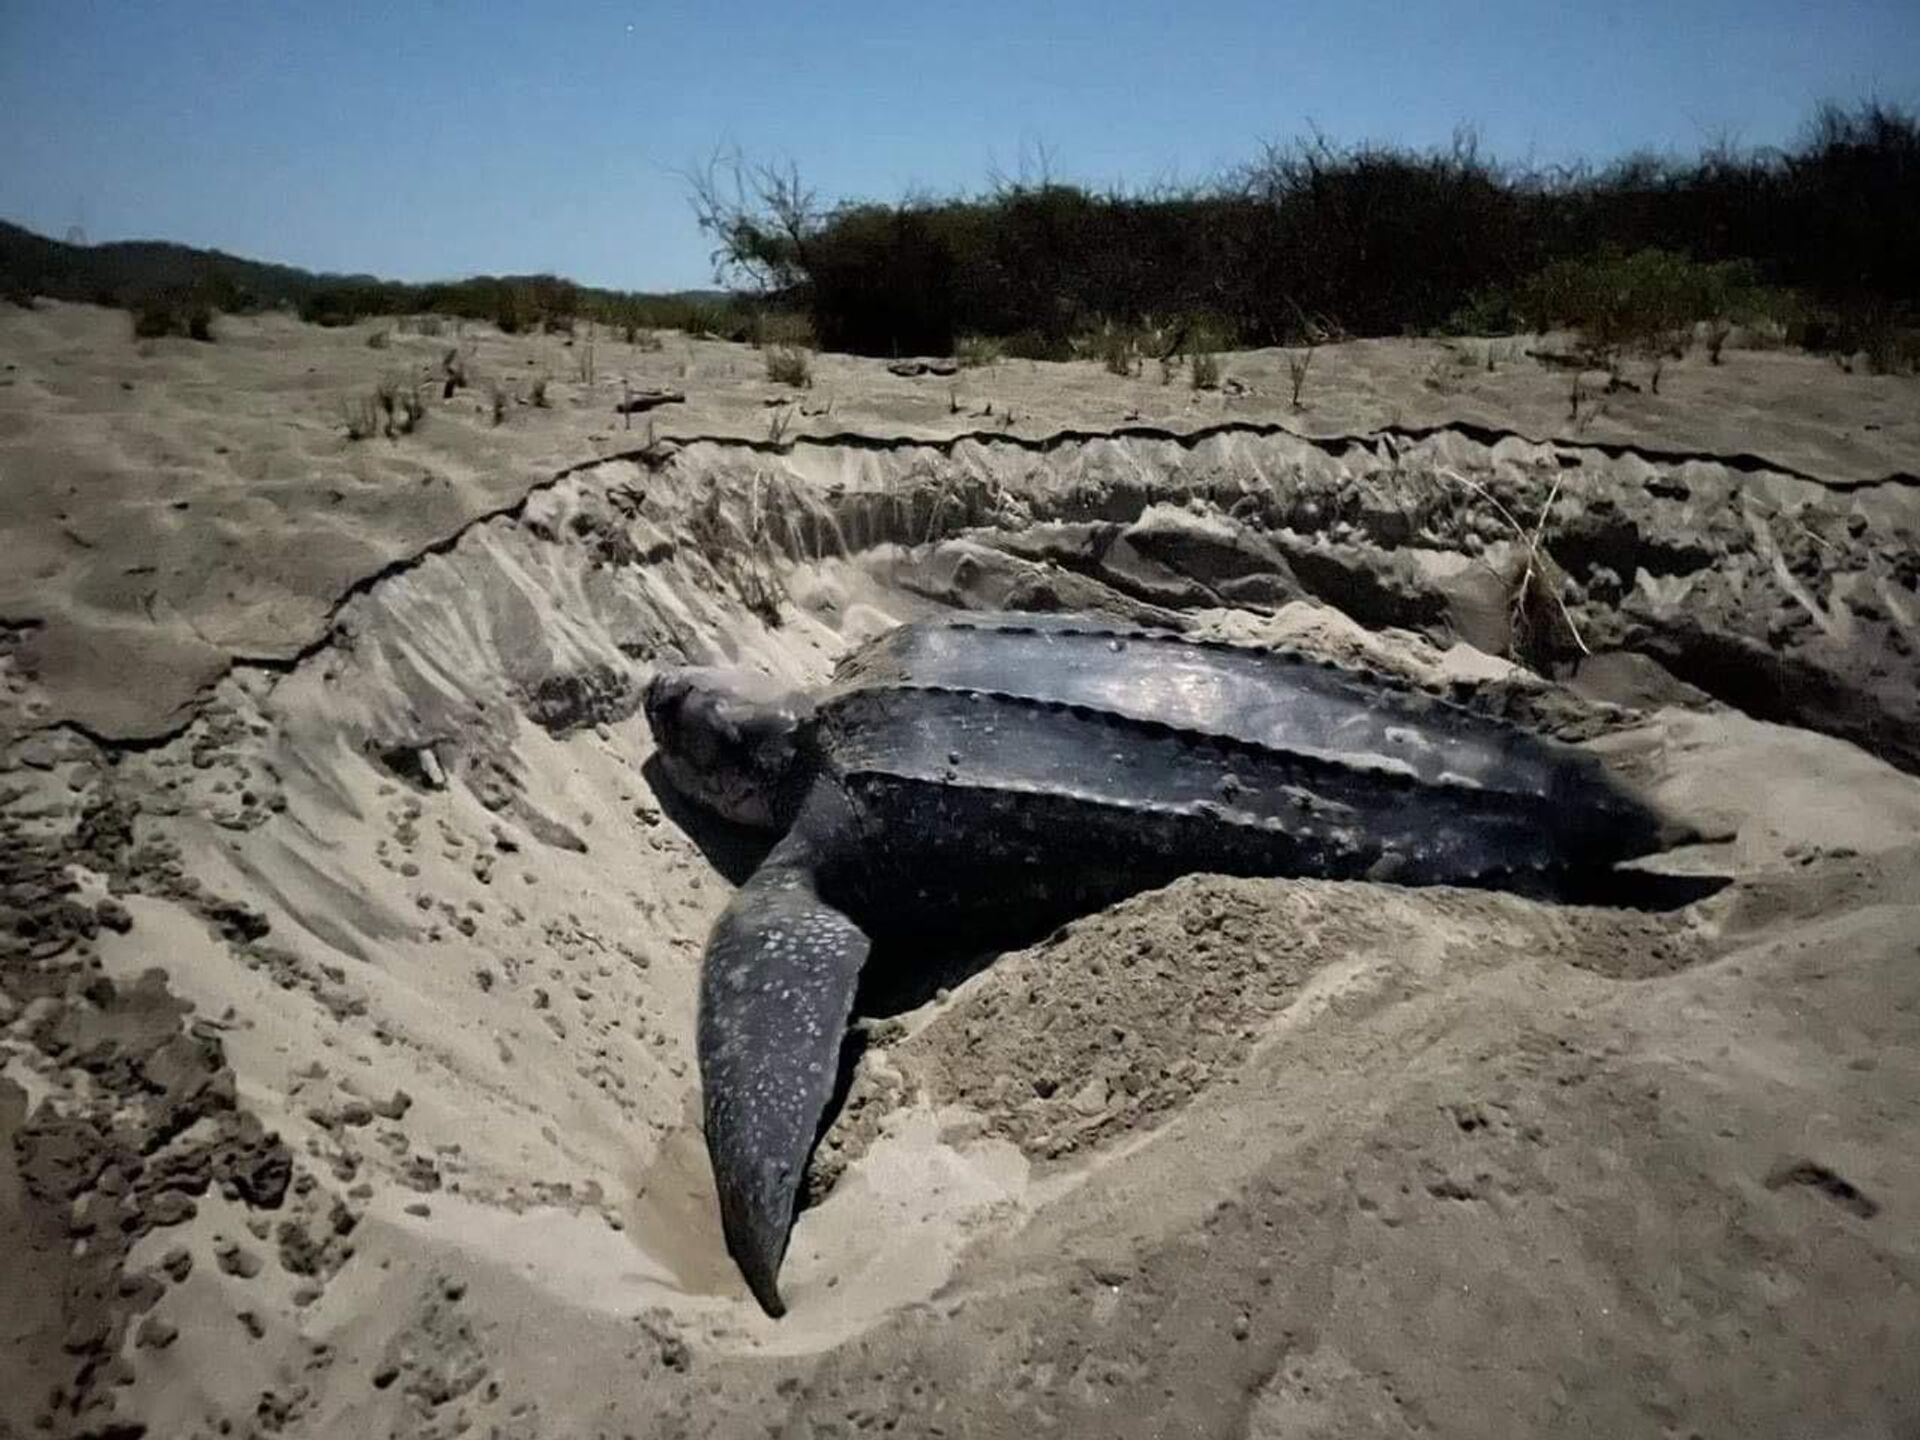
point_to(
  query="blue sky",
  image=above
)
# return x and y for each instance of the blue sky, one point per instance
(421, 140)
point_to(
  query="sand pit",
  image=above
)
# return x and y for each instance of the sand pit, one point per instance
(346, 1004)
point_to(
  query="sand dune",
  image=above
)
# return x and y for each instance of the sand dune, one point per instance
(341, 739)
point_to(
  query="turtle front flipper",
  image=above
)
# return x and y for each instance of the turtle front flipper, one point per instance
(776, 990)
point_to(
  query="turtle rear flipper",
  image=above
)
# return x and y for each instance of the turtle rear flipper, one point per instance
(776, 989)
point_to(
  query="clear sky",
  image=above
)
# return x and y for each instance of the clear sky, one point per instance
(422, 140)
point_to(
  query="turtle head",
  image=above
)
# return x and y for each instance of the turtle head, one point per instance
(729, 740)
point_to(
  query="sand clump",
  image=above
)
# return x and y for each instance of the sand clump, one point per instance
(347, 997)
(1100, 1031)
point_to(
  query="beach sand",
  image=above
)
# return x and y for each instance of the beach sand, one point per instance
(348, 979)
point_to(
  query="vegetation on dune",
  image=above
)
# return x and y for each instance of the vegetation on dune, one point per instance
(161, 282)
(1364, 240)
(179, 313)
(1307, 242)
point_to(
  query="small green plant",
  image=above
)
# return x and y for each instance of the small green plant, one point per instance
(789, 365)
(975, 351)
(1298, 363)
(1645, 303)
(1203, 366)
(1118, 350)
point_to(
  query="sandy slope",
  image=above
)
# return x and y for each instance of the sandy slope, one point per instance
(172, 506)
(403, 1139)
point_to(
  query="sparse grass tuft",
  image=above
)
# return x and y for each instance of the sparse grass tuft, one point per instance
(453, 370)
(539, 392)
(1718, 329)
(742, 555)
(497, 398)
(974, 351)
(789, 365)
(1298, 363)
(1118, 352)
(1540, 627)
(361, 414)
(413, 410)
(377, 340)
(1203, 366)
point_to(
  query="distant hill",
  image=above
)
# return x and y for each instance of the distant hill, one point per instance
(150, 276)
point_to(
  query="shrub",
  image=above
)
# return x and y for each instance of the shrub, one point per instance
(361, 413)
(1204, 367)
(782, 328)
(974, 351)
(1887, 337)
(789, 365)
(331, 308)
(1387, 241)
(1117, 349)
(173, 315)
(1298, 363)
(1647, 302)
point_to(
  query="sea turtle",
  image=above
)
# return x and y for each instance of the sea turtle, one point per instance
(1023, 768)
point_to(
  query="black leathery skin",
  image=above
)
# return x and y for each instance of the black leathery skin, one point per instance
(1280, 698)
(776, 990)
(1020, 770)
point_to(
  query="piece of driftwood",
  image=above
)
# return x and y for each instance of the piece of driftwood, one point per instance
(647, 399)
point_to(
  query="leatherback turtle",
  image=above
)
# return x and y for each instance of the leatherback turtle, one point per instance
(1030, 767)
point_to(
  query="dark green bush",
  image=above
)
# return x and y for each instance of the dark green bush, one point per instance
(173, 314)
(1375, 240)
(1645, 302)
